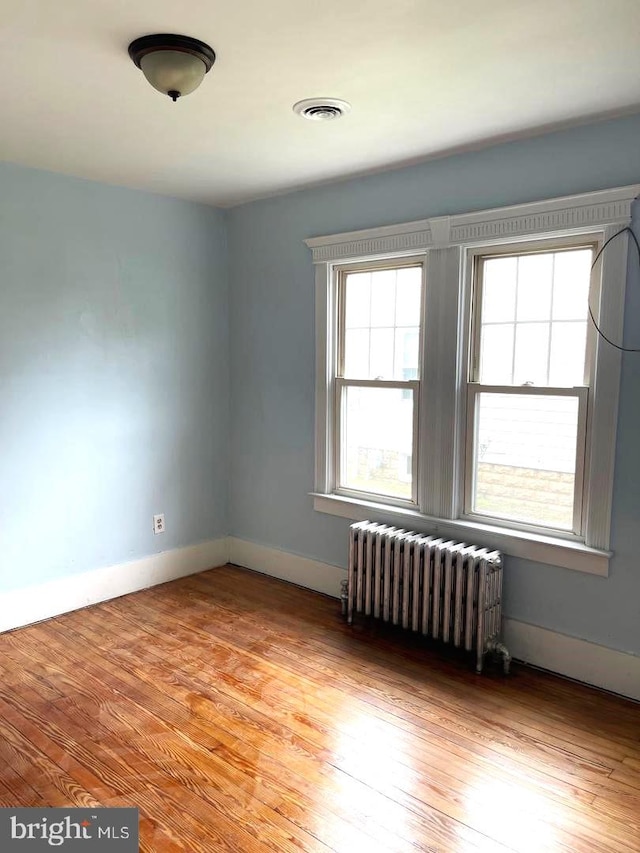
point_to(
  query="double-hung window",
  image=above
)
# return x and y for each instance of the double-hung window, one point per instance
(530, 365)
(378, 379)
(461, 387)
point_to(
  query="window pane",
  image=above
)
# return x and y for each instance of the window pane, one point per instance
(535, 291)
(356, 361)
(381, 337)
(377, 441)
(535, 275)
(407, 351)
(571, 284)
(496, 354)
(568, 344)
(525, 456)
(532, 352)
(409, 287)
(383, 297)
(381, 357)
(499, 289)
(358, 300)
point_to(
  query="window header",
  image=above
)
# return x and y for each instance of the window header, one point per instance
(572, 214)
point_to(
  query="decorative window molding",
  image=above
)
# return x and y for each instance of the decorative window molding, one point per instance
(569, 213)
(447, 242)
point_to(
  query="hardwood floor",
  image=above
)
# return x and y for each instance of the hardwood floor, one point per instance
(240, 713)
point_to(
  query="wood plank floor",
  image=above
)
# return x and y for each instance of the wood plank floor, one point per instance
(240, 713)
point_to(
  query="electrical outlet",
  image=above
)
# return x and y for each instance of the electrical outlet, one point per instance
(158, 523)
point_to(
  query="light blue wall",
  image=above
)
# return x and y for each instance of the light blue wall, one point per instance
(113, 374)
(272, 358)
(115, 352)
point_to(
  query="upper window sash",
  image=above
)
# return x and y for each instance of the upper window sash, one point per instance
(340, 275)
(551, 320)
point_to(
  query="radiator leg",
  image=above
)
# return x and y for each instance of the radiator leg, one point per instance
(503, 651)
(499, 649)
(344, 600)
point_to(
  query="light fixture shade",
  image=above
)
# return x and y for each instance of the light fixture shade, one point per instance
(171, 71)
(174, 65)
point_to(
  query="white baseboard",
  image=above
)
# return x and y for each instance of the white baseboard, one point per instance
(585, 661)
(580, 659)
(311, 574)
(32, 604)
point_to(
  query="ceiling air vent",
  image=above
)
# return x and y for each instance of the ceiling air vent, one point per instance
(321, 109)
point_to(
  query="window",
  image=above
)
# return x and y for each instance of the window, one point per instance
(460, 386)
(528, 388)
(377, 379)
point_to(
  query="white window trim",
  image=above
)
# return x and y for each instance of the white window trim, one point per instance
(446, 241)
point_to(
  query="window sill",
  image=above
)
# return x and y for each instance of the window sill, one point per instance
(530, 546)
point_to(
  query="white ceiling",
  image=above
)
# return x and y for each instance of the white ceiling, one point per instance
(423, 76)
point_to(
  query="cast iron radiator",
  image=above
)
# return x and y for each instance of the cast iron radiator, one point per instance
(446, 590)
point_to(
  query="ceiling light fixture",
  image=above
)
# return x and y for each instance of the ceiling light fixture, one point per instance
(321, 109)
(174, 65)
